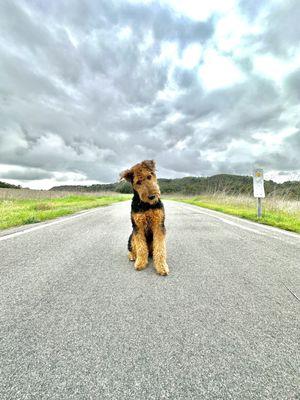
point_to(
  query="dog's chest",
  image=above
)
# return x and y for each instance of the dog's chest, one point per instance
(148, 219)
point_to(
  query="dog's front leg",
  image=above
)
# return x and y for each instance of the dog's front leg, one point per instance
(141, 249)
(159, 250)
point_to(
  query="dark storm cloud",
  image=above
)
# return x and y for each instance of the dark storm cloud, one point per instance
(185, 78)
(289, 156)
(252, 8)
(275, 160)
(27, 174)
(49, 44)
(282, 30)
(292, 85)
(240, 110)
(187, 161)
(153, 17)
(87, 87)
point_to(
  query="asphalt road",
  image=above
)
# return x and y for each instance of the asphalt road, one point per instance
(78, 322)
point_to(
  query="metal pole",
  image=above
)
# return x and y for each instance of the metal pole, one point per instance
(259, 207)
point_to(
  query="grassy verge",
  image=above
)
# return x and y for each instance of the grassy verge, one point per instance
(284, 214)
(16, 212)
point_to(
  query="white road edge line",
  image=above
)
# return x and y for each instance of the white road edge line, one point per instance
(200, 210)
(269, 230)
(44, 225)
(227, 221)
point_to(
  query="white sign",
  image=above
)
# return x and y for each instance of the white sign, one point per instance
(258, 183)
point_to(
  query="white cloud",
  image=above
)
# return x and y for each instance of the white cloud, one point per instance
(125, 33)
(100, 86)
(274, 67)
(282, 176)
(219, 71)
(231, 30)
(191, 56)
(273, 140)
(201, 10)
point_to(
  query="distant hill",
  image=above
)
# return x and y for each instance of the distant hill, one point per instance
(229, 184)
(9, 186)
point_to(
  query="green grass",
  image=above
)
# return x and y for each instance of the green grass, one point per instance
(16, 212)
(281, 213)
(277, 212)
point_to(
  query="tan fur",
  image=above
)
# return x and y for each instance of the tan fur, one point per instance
(144, 182)
(151, 219)
(139, 176)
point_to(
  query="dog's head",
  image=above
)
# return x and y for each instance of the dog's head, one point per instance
(143, 179)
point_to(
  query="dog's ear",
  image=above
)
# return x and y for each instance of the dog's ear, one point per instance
(150, 164)
(126, 175)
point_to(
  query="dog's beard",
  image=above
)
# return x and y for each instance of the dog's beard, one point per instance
(149, 201)
(154, 201)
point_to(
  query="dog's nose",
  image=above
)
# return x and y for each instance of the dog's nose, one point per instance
(152, 197)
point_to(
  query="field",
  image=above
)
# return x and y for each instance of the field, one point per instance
(22, 206)
(278, 212)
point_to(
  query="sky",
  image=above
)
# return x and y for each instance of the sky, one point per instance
(89, 88)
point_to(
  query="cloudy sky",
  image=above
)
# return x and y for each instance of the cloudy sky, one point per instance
(87, 88)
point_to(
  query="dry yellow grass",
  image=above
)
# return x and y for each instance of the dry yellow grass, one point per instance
(18, 194)
(270, 203)
(43, 204)
(279, 212)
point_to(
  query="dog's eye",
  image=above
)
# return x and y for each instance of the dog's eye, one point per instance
(138, 182)
(149, 177)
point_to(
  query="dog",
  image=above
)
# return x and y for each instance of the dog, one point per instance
(147, 217)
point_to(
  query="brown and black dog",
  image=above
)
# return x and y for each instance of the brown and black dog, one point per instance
(147, 217)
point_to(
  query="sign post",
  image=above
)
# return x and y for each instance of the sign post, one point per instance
(258, 188)
(259, 207)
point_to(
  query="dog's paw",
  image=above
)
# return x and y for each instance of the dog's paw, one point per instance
(139, 265)
(131, 256)
(163, 270)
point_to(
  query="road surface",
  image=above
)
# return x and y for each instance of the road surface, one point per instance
(78, 322)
